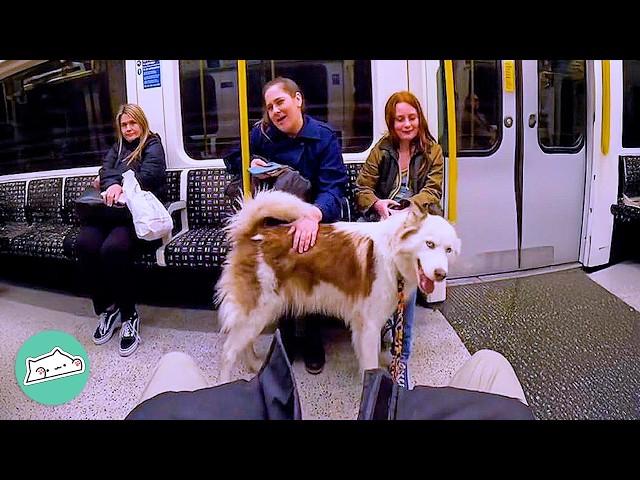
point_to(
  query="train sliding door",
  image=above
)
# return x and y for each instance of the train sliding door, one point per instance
(486, 140)
(553, 176)
(521, 163)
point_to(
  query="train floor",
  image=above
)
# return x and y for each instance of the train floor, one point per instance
(115, 383)
(573, 338)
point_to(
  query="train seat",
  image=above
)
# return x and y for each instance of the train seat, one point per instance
(203, 245)
(627, 209)
(45, 233)
(350, 211)
(13, 221)
(46, 224)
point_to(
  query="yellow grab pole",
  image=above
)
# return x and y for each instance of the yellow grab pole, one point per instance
(244, 126)
(606, 106)
(452, 187)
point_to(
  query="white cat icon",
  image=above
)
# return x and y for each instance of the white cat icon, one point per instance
(51, 366)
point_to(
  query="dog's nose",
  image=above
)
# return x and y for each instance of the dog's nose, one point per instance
(440, 274)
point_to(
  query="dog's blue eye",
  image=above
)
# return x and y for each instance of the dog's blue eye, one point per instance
(431, 245)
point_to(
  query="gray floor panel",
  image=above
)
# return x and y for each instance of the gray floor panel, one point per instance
(574, 346)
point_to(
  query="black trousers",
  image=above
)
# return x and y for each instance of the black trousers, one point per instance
(106, 252)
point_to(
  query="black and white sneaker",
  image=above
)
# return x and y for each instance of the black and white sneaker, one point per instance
(109, 322)
(129, 335)
(386, 336)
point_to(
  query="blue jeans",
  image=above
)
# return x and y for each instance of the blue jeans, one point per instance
(409, 313)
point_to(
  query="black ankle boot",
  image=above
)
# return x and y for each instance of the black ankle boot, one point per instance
(313, 351)
(288, 337)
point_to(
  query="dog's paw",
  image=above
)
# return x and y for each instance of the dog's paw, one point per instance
(254, 365)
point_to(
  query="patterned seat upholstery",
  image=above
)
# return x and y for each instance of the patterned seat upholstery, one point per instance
(353, 170)
(45, 236)
(625, 214)
(201, 248)
(628, 185)
(47, 226)
(173, 185)
(204, 245)
(13, 221)
(148, 257)
(42, 240)
(73, 188)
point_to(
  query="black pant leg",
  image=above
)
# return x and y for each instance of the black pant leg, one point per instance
(117, 254)
(88, 245)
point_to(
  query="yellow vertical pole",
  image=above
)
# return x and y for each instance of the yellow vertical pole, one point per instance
(452, 187)
(244, 126)
(606, 106)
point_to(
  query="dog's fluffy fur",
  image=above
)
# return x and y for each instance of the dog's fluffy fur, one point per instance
(351, 272)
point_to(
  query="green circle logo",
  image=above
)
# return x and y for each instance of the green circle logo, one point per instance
(52, 367)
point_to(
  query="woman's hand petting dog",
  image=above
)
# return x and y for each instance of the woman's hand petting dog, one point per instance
(305, 230)
(383, 208)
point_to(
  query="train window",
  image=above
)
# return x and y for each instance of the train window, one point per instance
(631, 104)
(561, 105)
(338, 92)
(59, 114)
(478, 90)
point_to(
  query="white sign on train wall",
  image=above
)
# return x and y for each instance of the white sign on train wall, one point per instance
(150, 71)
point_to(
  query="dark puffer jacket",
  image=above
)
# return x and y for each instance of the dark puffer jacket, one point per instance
(150, 171)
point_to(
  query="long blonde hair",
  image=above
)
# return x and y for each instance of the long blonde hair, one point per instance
(137, 114)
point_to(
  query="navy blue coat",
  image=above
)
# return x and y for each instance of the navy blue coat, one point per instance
(150, 171)
(315, 152)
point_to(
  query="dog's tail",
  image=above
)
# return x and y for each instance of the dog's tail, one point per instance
(266, 204)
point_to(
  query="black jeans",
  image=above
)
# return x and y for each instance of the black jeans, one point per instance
(299, 332)
(106, 252)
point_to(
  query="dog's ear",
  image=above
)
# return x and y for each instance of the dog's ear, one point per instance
(417, 214)
(420, 210)
(408, 230)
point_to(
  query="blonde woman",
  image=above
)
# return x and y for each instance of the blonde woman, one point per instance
(107, 246)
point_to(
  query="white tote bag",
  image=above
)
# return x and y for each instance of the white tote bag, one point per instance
(150, 219)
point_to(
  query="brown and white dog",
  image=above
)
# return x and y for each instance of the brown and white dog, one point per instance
(352, 273)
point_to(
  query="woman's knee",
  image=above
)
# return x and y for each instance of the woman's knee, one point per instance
(177, 360)
(492, 360)
(89, 241)
(117, 248)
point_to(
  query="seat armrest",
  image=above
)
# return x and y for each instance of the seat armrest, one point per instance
(175, 206)
(179, 206)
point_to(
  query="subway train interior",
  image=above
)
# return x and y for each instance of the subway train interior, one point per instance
(541, 182)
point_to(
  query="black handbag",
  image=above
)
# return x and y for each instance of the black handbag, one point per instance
(91, 208)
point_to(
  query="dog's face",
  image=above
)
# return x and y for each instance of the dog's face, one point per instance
(426, 245)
